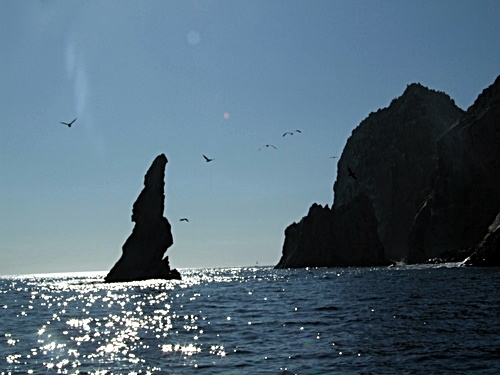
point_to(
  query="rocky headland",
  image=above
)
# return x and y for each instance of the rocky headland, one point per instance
(422, 176)
(465, 198)
(143, 252)
(315, 240)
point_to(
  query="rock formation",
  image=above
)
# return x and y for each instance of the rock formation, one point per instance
(344, 236)
(393, 153)
(465, 195)
(388, 160)
(487, 252)
(143, 251)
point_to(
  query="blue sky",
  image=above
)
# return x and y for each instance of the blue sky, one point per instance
(145, 78)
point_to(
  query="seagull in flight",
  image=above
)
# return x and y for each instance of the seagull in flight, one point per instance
(333, 157)
(68, 123)
(268, 146)
(207, 159)
(291, 133)
(351, 173)
(184, 219)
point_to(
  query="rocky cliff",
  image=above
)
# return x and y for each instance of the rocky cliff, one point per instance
(394, 153)
(342, 236)
(487, 252)
(388, 160)
(465, 195)
(143, 252)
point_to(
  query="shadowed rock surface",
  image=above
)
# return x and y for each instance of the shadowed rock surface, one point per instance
(487, 252)
(344, 236)
(392, 154)
(466, 193)
(143, 252)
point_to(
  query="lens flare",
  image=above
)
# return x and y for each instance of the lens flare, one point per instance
(77, 74)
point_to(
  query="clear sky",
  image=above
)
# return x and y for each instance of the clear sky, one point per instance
(220, 78)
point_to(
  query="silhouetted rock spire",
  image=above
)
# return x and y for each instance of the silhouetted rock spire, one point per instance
(143, 251)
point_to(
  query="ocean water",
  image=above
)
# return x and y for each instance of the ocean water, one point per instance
(400, 320)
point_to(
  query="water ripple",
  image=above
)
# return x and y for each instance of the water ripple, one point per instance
(254, 320)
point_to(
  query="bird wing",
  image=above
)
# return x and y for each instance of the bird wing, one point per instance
(64, 123)
(207, 159)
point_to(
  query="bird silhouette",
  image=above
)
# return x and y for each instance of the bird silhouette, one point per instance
(207, 159)
(291, 133)
(351, 173)
(333, 157)
(268, 146)
(68, 123)
(184, 219)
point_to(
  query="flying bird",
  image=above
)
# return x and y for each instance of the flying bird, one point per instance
(68, 123)
(291, 133)
(184, 219)
(351, 173)
(207, 159)
(333, 157)
(268, 146)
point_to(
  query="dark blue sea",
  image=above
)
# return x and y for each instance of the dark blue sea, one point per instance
(400, 320)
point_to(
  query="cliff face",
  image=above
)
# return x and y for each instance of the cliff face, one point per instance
(466, 194)
(343, 236)
(142, 253)
(429, 173)
(487, 252)
(393, 154)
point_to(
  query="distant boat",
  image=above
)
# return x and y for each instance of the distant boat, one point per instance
(268, 146)
(68, 124)
(207, 159)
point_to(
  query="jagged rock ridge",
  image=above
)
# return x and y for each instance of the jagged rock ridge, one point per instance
(143, 252)
(431, 173)
(314, 241)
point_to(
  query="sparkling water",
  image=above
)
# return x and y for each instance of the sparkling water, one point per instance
(420, 319)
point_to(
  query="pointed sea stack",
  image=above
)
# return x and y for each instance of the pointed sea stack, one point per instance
(142, 254)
